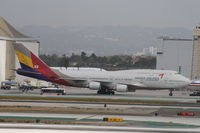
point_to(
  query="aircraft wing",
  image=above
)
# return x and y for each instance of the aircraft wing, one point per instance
(103, 81)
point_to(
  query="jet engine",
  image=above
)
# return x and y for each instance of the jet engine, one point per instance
(94, 85)
(121, 88)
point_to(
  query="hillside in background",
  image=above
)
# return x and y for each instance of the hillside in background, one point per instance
(105, 40)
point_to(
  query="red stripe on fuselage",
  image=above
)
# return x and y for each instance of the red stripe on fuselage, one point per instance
(194, 85)
(41, 67)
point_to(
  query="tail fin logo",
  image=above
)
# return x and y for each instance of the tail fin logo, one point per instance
(33, 66)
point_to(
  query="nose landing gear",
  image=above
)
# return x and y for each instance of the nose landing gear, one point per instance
(170, 93)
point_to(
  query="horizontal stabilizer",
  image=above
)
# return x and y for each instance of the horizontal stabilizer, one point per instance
(21, 71)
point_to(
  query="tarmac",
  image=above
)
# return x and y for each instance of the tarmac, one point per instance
(137, 117)
(46, 128)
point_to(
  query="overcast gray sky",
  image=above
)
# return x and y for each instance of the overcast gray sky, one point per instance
(143, 13)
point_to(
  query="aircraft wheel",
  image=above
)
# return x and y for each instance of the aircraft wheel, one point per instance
(99, 92)
(170, 94)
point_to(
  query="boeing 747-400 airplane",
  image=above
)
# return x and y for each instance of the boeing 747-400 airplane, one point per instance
(105, 82)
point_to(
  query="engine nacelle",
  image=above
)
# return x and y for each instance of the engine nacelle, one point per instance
(94, 85)
(121, 88)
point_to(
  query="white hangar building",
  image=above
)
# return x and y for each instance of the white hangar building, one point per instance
(181, 55)
(8, 59)
(175, 54)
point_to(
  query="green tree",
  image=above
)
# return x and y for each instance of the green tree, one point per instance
(116, 61)
(64, 61)
(83, 56)
(93, 58)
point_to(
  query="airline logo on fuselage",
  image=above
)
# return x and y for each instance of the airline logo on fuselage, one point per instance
(147, 78)
(161, 75)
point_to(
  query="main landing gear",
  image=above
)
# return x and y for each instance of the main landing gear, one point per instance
(170, 93)
(106, 91)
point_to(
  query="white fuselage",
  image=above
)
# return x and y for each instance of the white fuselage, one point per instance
(154, 79)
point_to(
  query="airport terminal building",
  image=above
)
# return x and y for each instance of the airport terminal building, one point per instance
(8, 59)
